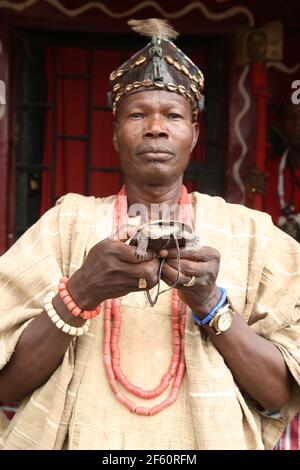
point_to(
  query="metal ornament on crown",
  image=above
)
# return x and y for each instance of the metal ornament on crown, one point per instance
(159, 65)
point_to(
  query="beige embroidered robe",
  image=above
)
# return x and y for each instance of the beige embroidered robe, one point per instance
(75, 409)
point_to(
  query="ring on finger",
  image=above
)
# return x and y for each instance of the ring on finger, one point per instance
(190, 283)
(142, 283)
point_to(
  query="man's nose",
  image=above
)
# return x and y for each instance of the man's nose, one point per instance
(156, 127)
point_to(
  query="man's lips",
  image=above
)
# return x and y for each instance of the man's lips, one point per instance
(159, 154)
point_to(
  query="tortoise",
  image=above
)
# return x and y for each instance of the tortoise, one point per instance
(161, 234)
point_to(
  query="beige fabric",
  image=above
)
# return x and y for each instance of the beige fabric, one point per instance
(260, 267)
(99, 421)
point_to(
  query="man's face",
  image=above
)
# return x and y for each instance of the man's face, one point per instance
(292, 125)
(154, 136)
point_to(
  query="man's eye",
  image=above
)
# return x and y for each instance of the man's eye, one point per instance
(136, 115)
(174, 116)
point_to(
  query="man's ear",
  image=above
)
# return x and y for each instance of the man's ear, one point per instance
(195, 134)
(115, 137)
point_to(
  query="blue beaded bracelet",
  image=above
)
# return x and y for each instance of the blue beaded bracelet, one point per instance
(213, 311)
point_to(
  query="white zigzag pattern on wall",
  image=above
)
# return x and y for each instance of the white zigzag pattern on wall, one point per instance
(236, 10)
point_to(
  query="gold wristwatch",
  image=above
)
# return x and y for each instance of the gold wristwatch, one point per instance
(222, 320)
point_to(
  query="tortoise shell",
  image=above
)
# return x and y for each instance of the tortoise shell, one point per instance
(161, 234)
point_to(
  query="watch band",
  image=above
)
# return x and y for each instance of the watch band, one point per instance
(213, 311)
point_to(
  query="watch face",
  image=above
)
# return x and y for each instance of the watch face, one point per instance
(225, 321)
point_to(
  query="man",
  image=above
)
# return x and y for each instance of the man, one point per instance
(232, 382)
(284, 177)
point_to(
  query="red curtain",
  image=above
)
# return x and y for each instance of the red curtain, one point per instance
(71, 115)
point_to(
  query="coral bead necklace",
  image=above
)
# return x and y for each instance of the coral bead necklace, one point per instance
(112, 324)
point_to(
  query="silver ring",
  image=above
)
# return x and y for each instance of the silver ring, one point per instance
(191, 282)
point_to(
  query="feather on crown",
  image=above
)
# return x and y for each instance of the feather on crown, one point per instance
(154, 27)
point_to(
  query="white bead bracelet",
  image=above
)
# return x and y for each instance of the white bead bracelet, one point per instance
(59, 323)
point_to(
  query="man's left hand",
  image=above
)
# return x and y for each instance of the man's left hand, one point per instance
(204, 264)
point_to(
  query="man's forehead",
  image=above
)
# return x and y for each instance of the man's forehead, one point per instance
(154, 98)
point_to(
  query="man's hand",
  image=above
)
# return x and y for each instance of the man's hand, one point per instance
(111, 270)
(203, 263)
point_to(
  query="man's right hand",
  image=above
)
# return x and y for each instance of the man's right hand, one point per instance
(111, 270)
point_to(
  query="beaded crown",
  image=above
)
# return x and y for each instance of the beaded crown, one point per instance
(159, 65)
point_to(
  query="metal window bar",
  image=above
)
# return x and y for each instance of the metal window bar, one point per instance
(54, 124)
(34, 105)
(72, 76)
(72, 137)
(32, 166)
(106, 169)
(89, 113)
(100, 108)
